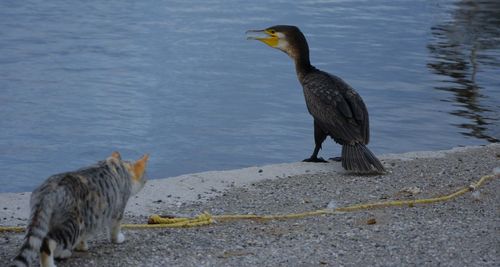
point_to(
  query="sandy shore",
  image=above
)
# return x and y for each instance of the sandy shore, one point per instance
(461, 232)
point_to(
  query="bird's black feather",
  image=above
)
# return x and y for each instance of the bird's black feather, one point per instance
(337, 107)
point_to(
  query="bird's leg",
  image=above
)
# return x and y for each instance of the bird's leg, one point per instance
(337, 159)
(338, 141)
(314, 156)
(319, 137)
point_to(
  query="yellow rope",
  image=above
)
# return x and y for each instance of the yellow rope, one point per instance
(156, 221)
(411, 203)
(205, 218)
(15, 229)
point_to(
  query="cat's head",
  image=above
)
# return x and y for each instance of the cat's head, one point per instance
(135, 169)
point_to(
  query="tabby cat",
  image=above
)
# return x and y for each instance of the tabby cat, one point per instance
(69, 208)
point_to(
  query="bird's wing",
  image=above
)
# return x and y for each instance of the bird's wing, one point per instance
(338, 108)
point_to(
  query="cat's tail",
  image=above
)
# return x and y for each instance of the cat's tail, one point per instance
(360, 159)
(35, 234)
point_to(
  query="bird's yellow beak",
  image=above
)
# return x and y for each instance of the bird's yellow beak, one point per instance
(266, 36)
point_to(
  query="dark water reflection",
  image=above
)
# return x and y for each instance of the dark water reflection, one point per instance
(461, 45)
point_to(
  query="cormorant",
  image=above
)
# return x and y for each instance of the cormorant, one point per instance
(337, 109)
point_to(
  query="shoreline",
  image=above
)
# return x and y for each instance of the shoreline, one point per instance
(172, 192)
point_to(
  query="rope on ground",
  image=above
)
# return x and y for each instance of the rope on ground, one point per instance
(156, 221)
(15, 229)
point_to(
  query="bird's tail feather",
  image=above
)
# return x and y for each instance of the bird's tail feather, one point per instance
(360, 159)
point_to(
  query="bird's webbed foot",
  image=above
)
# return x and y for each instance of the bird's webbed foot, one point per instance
(337, 159)
(315, 159)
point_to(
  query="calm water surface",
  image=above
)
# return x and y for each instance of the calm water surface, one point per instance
(177, 79)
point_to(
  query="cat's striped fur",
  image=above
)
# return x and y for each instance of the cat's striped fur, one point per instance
(68, 208)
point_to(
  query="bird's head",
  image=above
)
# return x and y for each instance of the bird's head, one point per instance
(286, 38)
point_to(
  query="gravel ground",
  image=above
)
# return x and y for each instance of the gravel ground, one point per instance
(461, 232)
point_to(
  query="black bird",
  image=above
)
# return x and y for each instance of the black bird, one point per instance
(337, 109)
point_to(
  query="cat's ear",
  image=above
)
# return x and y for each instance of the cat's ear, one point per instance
(140, 166)
(116, 155)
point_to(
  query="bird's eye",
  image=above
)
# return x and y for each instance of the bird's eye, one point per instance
(272, 31)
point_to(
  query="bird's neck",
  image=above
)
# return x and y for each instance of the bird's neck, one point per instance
(302, 66)
(300, 57)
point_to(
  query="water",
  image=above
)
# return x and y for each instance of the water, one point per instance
(177, 79)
